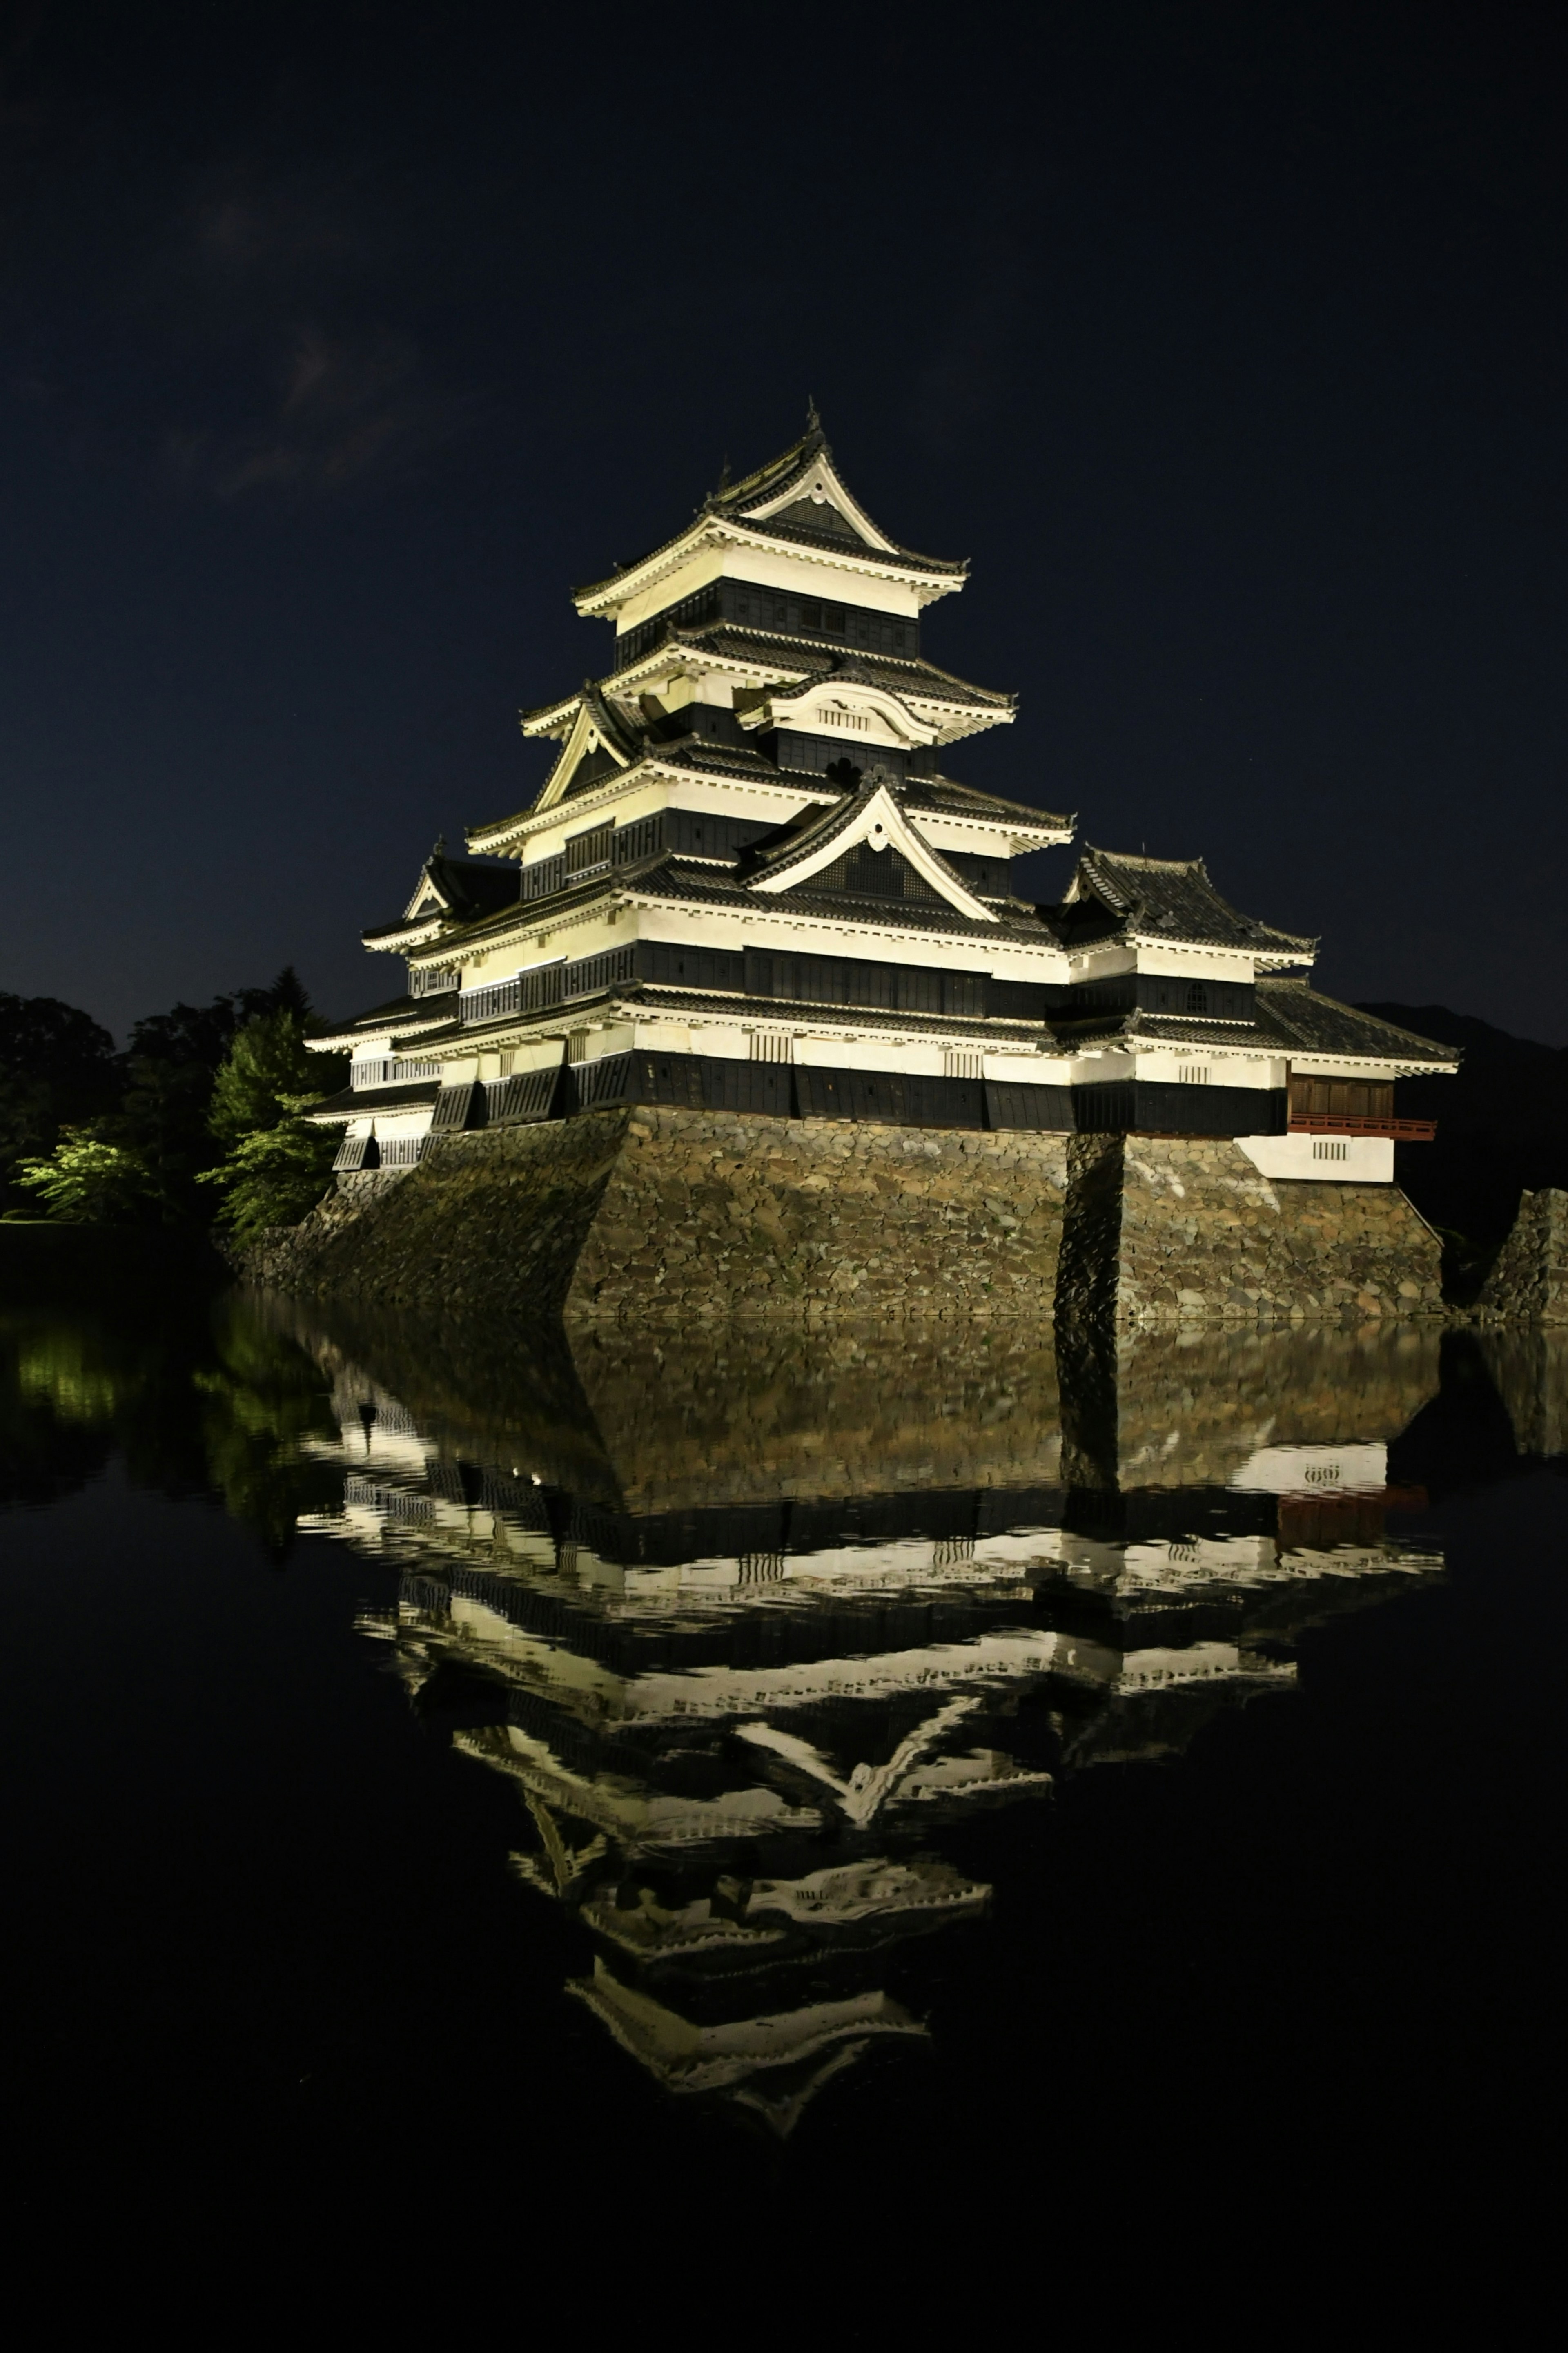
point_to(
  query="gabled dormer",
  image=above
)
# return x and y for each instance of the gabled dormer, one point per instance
(845, 703)
(450, 891)
(867, 846)
(597, 740)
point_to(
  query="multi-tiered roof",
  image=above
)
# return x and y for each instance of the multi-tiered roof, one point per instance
(749, 881)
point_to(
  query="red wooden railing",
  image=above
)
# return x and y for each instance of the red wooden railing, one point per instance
(1323, 1123)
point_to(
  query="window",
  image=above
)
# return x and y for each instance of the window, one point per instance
(1330, 1147)
(772, 1046)
(577, 1046)
(1197, 997)
(958, 1062)
(1194, 1074)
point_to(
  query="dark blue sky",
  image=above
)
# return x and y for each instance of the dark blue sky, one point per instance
(337, 341)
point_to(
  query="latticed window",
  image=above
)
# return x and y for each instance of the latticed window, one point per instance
(958, 1063)
(577, 1046)
(1194, 1074)
(1197, 998)
(772, 1046)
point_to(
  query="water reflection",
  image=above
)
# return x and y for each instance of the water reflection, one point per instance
(761, 1629)
(755, 1626)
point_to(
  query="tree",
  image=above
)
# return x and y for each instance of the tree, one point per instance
(275, 1175)
(204, 1033)
(57, 1066)
(87, 1181)
(268, 1064)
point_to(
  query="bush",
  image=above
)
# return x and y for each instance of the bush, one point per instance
(87, 1182)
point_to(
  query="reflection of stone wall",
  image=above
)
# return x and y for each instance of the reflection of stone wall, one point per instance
(1530, 1368)
(666, 1217)
(1191, 1408)
(682, 1421)
(747, 1414)
(1529, 1281)
(1170, 1231)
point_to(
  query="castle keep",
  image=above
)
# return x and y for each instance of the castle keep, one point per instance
(752, 915)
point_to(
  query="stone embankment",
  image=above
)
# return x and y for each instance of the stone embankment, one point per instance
(1163, 1231)
(1530, 1282)
(668, 1215)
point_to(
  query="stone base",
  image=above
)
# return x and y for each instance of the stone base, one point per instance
(1530, 1282)
(663, 1216)
(669, 1216)
(1169, 1230)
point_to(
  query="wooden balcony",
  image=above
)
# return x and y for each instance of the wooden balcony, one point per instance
(1327, 1123)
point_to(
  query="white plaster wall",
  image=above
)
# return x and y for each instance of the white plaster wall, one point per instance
(1368, 1159)
(1028, 1070)
(1226, 1069)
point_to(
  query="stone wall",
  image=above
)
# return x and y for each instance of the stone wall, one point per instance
(1530, 1282)
(665, 1216)
(1163, 1231)
(670, 1216)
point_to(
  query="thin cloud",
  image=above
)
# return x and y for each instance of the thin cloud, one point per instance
(349, 405)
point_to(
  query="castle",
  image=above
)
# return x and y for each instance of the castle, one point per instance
(750, 887)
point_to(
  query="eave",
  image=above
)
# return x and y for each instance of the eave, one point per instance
(683, 651)
(535, 819)
(928, 577)
(1273, 957)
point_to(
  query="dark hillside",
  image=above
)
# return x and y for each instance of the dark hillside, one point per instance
(1502, 1124)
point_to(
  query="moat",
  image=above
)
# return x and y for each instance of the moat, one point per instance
(794, 1759)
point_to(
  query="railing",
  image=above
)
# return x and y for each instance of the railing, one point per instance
(1325, 1123)
(547, 985)
(395, 1071)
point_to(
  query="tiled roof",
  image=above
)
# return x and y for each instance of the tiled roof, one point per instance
(793, 1009)
(397, 1013)
(815, 827)
(351, 1101)
(772, 481)
(1297, 1016)
(942, 797)
(467, 886)
(803, 658)
(1170, 897)
(670, 878)
(1290, 1017)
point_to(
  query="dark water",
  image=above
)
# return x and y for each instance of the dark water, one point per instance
(766, 1790)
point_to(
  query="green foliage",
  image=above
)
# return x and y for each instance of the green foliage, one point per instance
(121, 1139)
(85, 1181)
(267, 1065)
(57, 1066)
(275, 1175)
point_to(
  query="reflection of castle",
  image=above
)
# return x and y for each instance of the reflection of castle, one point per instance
(742, 1729)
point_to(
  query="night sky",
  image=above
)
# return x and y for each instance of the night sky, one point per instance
(336, 342)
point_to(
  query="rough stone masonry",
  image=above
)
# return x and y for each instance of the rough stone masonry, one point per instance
(662, 1216)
